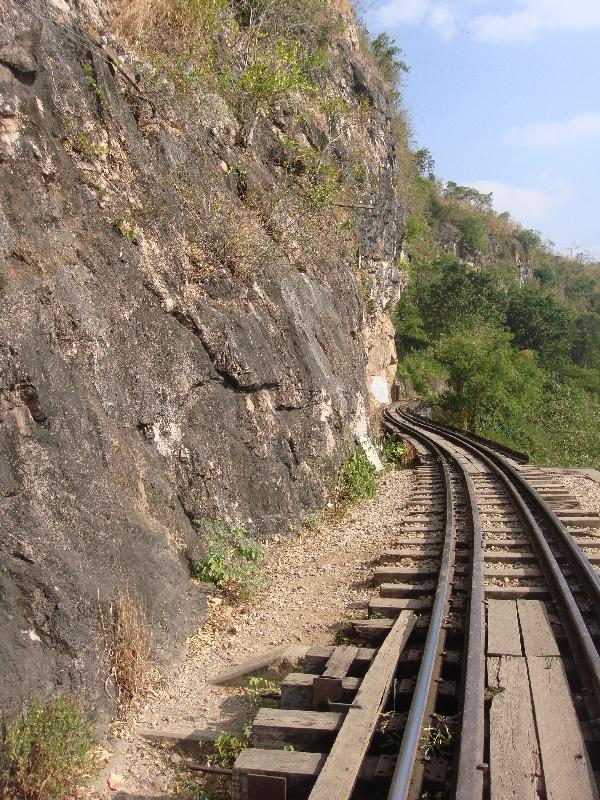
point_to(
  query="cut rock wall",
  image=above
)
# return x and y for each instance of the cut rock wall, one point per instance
(142, 383)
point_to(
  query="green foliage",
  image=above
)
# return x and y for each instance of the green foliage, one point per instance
(388, 57)
(192, 790)
(472, 235)
(414, 229)
(357, 478)
(84, 142)
(124, 228)
(321, 177)
(186, 70)
(410, 331)
(530, 240)
(90, 80)
(586, 340)
(565, 428)
(490, 385)
(257, 688)
(393, 450)
(233, 562)
(279, 70)
(465, 194)
(448, 293)
(47, 752)
(423, 372)
(437, 736)
(500, 359)
(197, 16)
(542, 323)
(425, 163)
(342, 634)
(227, 749)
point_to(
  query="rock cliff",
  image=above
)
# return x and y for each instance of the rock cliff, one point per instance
(189, 322)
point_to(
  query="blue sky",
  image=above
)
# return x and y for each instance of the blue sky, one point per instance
(506, 95)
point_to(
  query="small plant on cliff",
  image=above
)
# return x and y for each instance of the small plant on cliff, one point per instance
(233, 560)
(46, 753)
(125, 228)
(357, 478)
(90, 80)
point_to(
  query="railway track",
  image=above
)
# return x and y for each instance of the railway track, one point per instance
(476, 673)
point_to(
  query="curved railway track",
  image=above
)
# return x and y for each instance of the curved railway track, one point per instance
(476, 673)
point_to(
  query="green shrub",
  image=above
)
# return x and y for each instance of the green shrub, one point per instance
(421, 370)
(228, 747)
(262, 691)
(278, 70)
(233, 560)
(357, 478)
(393, 450)
(47, 752)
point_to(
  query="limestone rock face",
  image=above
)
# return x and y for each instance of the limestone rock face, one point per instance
(162, 353)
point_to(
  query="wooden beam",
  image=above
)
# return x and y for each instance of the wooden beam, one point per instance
(503, 634)
(273, 728)
(514, 752)
(567, 771)
(339, 774)
(340, 662)
(315, 660)
(538, 637)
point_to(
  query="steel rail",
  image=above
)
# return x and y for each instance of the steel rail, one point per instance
(575, 553)
(577, 631)
(401, 779)
(469, 782)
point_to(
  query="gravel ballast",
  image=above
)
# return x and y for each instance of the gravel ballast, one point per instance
(316, 581)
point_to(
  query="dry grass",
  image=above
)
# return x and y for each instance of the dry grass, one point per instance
(166, 22)
(129, 649)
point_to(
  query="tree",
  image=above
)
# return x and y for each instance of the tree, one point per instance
(410, 334)
(465, 194)
(490, 385)
(529, 239)
(473, 237)
(449, 293)
(388, 57)
(586, 341)
(425, 164)
(580, 289)
(542, 323)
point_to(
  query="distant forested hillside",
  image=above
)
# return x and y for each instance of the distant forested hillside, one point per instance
(502, 333)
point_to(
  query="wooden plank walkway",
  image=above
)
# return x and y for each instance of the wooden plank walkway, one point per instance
(535, 737)
(503, 634)
(514, 753)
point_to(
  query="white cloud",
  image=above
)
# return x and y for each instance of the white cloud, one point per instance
(441, 17)
(528, 18)
(443, 20)
(491, 20)
(580, 128)
(394, 13)
(526, 205)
